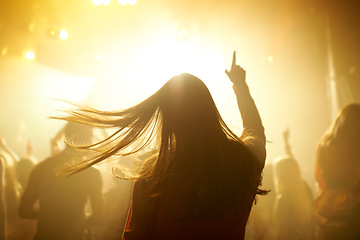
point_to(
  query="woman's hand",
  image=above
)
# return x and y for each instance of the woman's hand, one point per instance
(236, 74)
(286, 134)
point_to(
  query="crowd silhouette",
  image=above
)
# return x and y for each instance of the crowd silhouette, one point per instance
(180, 173)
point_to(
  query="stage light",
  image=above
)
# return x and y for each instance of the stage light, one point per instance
(106, 2)
(132, 2)
(30, 55)
(32, 26)
(4, 51)
(123, 2)
(52, 32)
(64, 34)
(96, 2)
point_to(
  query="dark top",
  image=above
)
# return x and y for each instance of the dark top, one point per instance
(62, 199)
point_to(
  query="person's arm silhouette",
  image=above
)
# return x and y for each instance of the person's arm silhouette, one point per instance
(286, 135)
(253, 133)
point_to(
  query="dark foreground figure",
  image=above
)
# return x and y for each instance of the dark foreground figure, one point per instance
(202, 180)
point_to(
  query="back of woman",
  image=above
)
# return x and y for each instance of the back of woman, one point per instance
(203, 179)
(337, 173)
(206, 207)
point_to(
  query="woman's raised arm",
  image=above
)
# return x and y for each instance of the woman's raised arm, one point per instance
(253, 133)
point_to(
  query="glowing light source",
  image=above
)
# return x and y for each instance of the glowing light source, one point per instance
(96, 2)
(98, 57)
(30, 55)
(32, 26)
(4, 51)
(270, 58)
(64, 34)
(52, 32)
(132, 2)
(187, 55)
(105, 2)
(123, 2)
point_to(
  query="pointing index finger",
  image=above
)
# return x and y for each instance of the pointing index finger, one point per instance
(234, 59)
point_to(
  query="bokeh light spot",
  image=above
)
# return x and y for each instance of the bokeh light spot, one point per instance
(106, 2)
(30, 55)
(64, 34)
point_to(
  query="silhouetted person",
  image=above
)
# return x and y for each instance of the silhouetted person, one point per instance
(337, 172)
(12, 191)
(23, 170)
(61, 199)
(25, 165)
(204, 179)
(293, 213)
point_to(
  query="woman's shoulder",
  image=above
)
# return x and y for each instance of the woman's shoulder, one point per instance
(254, 147)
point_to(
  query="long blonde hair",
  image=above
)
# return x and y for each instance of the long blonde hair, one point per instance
(342, 141)
(346, 126)
(192, 139)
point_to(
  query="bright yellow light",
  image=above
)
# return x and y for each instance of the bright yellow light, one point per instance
(32, 26)
(96, 2)
(186, 56)
(105, 2)
(123, 2)
(64, 34)
(270, 58)
(98, 57)
(30, 55)
(4, 51)
(132, 2)
(52, 32)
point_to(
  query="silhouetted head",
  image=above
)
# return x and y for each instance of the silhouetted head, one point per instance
(287, 174)
(187, 107)
(347, 123)
(78, 134)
